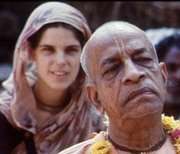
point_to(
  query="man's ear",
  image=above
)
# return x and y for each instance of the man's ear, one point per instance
(164, 71)
(92, 92)
(92, 95)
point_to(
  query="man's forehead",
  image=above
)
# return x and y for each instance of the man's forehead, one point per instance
(112, 36)
(118, 36)
(122, 44)
(115, 47)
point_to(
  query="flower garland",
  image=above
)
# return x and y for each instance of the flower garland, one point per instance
(171, 126)
(101, 147)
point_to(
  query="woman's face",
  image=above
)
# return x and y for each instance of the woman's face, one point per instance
(57, 57)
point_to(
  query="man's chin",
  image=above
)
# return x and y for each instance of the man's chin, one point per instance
(147, 110)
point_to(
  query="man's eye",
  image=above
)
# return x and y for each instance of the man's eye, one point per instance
(111, 72)
(143, 61)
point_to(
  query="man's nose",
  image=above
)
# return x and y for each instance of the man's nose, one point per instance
(132, 74)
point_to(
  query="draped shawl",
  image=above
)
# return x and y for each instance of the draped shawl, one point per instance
(78, 119)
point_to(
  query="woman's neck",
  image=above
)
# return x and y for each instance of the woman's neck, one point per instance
(49, 99)
(140, 134)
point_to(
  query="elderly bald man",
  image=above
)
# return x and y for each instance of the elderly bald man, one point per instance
(126, 78)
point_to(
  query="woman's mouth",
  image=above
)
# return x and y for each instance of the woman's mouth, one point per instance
(59, 74)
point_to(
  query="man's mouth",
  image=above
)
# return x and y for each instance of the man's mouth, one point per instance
(139, 92)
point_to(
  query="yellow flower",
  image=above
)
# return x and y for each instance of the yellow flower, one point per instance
(172, 126)
(101, 147)
(169, 122)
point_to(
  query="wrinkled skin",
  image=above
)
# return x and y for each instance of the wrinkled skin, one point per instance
(123, 67)
(127, 80)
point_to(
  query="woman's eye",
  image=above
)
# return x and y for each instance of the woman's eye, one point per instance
(72, 50)
(47, 50)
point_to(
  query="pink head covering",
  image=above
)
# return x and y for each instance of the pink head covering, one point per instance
(49, 12)
(75, 122)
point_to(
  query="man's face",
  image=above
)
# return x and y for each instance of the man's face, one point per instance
(129, 79)
(172, 59)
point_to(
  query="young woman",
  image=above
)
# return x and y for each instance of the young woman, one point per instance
(44, 107)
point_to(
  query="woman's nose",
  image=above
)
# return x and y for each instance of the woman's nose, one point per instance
(60, 57)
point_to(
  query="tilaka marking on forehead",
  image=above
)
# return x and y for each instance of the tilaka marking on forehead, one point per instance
(121, 45)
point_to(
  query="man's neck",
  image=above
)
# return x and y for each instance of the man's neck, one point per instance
(139, 134)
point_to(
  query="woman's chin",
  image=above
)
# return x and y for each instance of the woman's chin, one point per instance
(59, 86)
